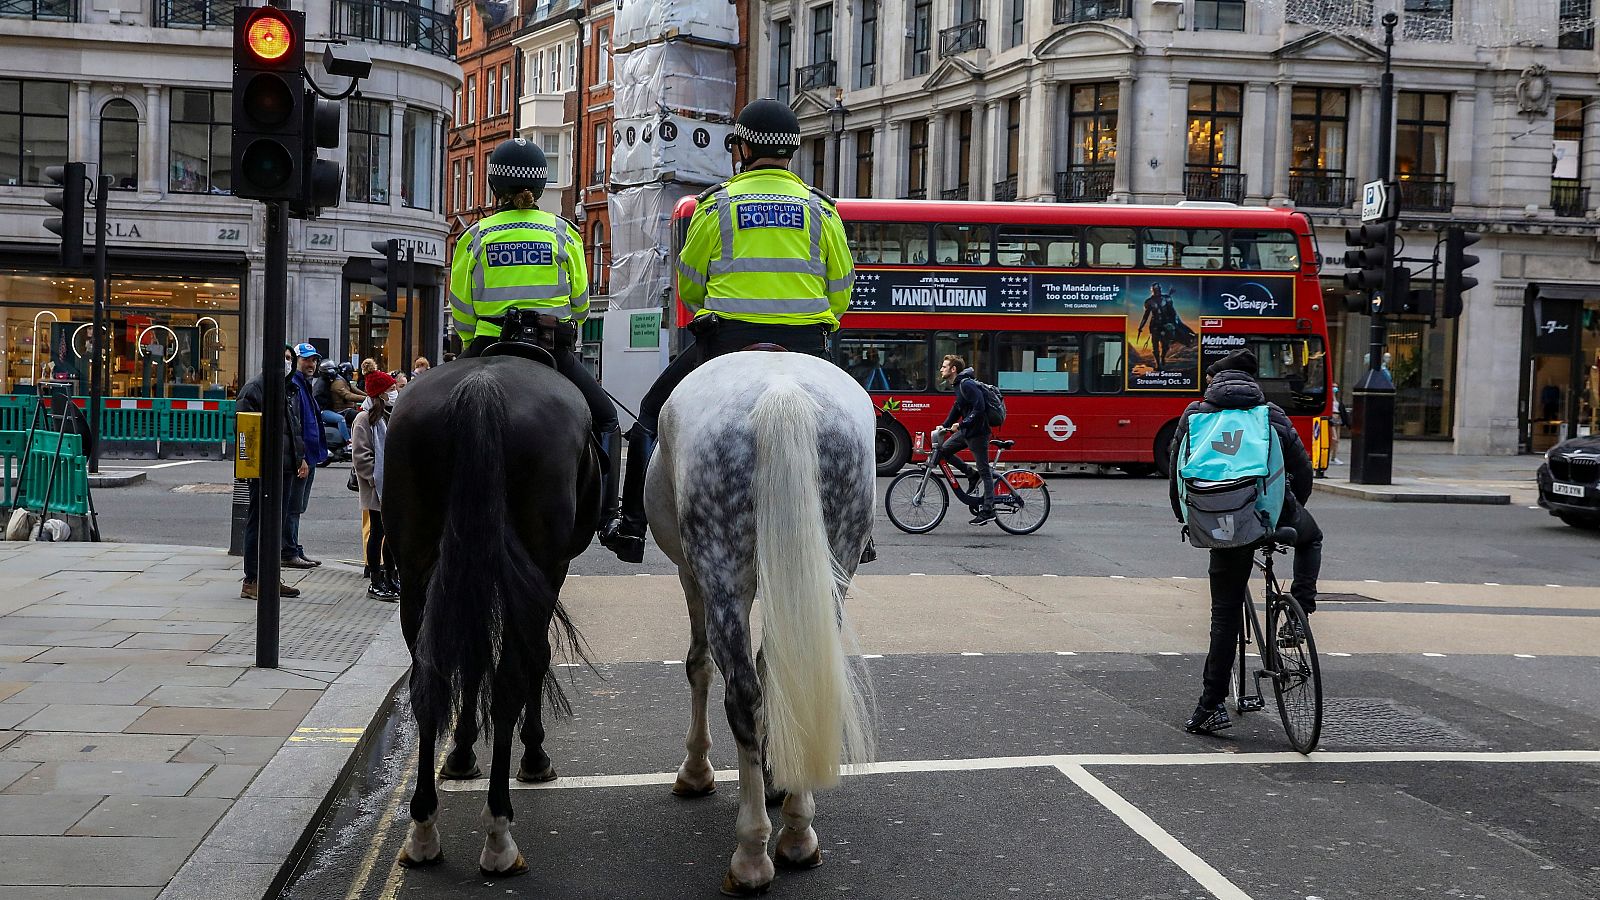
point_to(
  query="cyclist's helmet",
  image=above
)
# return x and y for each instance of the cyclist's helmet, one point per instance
(768, 128)
(515, 166)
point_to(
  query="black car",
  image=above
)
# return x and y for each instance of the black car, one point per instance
(1567, 482)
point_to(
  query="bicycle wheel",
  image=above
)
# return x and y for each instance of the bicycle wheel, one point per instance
(916, 501)
(1296, 676)
(1025, 504)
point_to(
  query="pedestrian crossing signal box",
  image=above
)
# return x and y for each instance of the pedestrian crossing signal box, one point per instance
(247, 446)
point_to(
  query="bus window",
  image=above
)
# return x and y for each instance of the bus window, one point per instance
(971, 346)
(1104, 373)
(1293, 372)
(1109, 247)
(895, 243)
(963, 245)
(1037, 245)
(886, 360)
(1031, 362)
(1265, 251)
(1182, 248)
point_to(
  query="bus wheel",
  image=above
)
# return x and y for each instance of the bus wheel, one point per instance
(893, 447)
(1139, 470)
(1163, 448)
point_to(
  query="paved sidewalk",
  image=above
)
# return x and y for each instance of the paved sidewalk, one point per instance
(132, 720)
(1443, 478)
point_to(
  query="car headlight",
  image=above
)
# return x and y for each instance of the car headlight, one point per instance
(1547, 456)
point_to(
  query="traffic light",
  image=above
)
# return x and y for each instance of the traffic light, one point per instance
(73, 178)
(1456, 262)
(320, 178)
(387, 268)
(269, 99)
(1369, 258)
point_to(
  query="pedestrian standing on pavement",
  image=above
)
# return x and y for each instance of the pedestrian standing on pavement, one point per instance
(1232, 385)
(1339, 419)
(419, 366)
(293, 464)
(367, 440)
(968, 429)
(306, 360)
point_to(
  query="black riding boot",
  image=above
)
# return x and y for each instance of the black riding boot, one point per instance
(625, 537)
(611, 452)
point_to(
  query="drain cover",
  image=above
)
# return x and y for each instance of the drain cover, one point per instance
(1376, 722)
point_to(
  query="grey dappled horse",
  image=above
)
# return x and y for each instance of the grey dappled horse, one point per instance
(763, 484)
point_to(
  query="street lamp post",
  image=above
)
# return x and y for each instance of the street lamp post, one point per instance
(836, 115)
(1372, 441)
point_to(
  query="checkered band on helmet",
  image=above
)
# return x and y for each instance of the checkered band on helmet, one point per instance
(522, 172)
(769, 128)
(766, 138)
(516, 165)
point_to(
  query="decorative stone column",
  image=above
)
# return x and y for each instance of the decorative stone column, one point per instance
(976, 189)
(82, 120)
(1178, 144)
(1127, 127)
(397, 140)
(1367, 142)
(1253, 153)
(153, 149)
(935, 158)
(994, 134)
(888, 163)
(1284, 146)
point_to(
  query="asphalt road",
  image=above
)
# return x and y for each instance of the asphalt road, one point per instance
(1112, 525)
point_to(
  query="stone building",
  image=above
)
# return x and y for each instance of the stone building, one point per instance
(1272, 102)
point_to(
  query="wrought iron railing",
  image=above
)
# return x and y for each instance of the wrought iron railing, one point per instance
(1569, 200)
(963, 38)
(1068, 11)
(1211, 184)
(395, 22)
(42, 10)
(1006, 190)
(1081, 184)
(955, 193)
(1319, 189)
(1427, 195)
(202, 14)
(818, 75)
(917, 194)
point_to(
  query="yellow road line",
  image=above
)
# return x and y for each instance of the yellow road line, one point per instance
(370, 860)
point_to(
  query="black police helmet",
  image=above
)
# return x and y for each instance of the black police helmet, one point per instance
(515, 166)
(768, 128)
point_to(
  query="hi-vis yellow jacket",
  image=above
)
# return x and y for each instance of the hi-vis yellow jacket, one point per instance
(517, 259)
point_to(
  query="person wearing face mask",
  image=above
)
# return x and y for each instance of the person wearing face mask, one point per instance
(367, 439)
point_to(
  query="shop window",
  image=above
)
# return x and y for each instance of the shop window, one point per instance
(367, 180)
(1037, 363)
(963, 245)
(417, 166)
(1037, 245)
(971, 346)
(894, 243)
(201, 142)
(885, 360)
(1420, 358)
(119, 144)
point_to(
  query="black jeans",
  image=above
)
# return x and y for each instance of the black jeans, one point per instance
(601, 409)
(978, 443)
(252, 525)
(727, 336)
(1230, 585)
(379, 563)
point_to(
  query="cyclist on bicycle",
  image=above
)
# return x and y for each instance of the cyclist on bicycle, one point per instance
(970, 418)
(1232, 385)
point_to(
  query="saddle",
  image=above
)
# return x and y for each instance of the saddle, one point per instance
(532, 335)
(765, 346)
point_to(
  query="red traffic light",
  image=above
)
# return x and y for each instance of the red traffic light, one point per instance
(268, 34)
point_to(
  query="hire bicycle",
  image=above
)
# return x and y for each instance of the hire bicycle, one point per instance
(1288, 654)
(918, 499)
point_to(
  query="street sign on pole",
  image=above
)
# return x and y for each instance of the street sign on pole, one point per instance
(1374, 201)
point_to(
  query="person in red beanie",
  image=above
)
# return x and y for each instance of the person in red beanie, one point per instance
(367, 436)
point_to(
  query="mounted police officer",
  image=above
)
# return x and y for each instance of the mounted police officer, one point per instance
(523, 258)
(765, 261)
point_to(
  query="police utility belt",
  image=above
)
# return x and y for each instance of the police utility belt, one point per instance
(529, 326)
(707, 324)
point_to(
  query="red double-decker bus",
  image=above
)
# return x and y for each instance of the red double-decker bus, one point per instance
(1096, 321)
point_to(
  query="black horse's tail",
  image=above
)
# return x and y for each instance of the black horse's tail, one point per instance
(488, 605)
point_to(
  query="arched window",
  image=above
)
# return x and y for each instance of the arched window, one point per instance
(597, 259)
(119, 145)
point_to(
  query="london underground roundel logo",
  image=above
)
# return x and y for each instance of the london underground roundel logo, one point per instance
(1060, 428)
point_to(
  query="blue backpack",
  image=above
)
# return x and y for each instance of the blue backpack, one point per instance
(1230, 478)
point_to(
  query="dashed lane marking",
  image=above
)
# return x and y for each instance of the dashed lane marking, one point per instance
(1434, 655)
(970, 653)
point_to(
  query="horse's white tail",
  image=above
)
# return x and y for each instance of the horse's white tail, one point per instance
(813, 705)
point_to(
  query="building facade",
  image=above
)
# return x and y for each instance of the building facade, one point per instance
(1275, 102)
(80, 82)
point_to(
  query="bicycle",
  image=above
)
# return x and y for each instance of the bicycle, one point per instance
(1289, 658)
(918, 499)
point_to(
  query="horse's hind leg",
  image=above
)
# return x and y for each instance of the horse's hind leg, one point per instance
(750, 871)
(500, 857)
(535, 766)
(461, 762)
(696, 778)
(421, 847)
(797, 842)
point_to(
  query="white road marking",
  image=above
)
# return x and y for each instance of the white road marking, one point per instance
(1066, 653)
(1158, 837)
(1434, 655)
(1371, 581)
(185, 462)
(924, 574)
(1180, 578)
(1430, 582)
(1524, 656)
(872, 656)
(970, 653)
(1491, 584)
(672, 662)
(1168, 653)
(1048, 575)
(1553, 585)
(1336, 653)
(1119, 577)
(1001, 763)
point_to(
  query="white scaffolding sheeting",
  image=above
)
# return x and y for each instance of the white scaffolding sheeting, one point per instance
(641, 241)
(682, 149)
(643, 21)
(677, 77)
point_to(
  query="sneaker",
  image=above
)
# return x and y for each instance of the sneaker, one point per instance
(983, 517)
(1208, 721)
(381, 592)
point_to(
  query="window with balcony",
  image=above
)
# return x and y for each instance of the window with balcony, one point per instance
(963, 188)
(1219, 15)
(968, 34)
(1215, 121)
(917, 160)
(603, 54)
(821, 33)
(43, 10)
(416, 160)
(200, 138)
(1342, 13)
(601, 133)
(119, 145)
(1070, 11)
(782, 58)
(1428, 20)
(202, 14)
(1568, 195)
(1422, 151)
(1576, 25)
(367, 178)
(1006, 188)
(403, 24)
(919, 39)
(867, 45)
(1320, 120)
(864, 150)
(1092, 125)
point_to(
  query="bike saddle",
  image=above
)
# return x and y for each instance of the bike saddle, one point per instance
(1003, 445)
(1284, 537)
(764, 346)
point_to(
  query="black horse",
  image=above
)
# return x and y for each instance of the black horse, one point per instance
(491, 488)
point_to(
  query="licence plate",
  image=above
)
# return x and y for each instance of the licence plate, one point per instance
(1566, 490)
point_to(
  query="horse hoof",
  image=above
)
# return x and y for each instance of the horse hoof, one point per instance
(406, 862)
(448, 773)
(517, 868)
(732, 887)
(797, 865)
(689, 790)
(548, 773)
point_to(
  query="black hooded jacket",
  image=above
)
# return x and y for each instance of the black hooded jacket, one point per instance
(1232, 389)
(971, 408)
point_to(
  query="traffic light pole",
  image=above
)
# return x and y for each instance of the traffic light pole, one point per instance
(406, 326)
(1372, 443)
(102, 296)
(269, 550)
